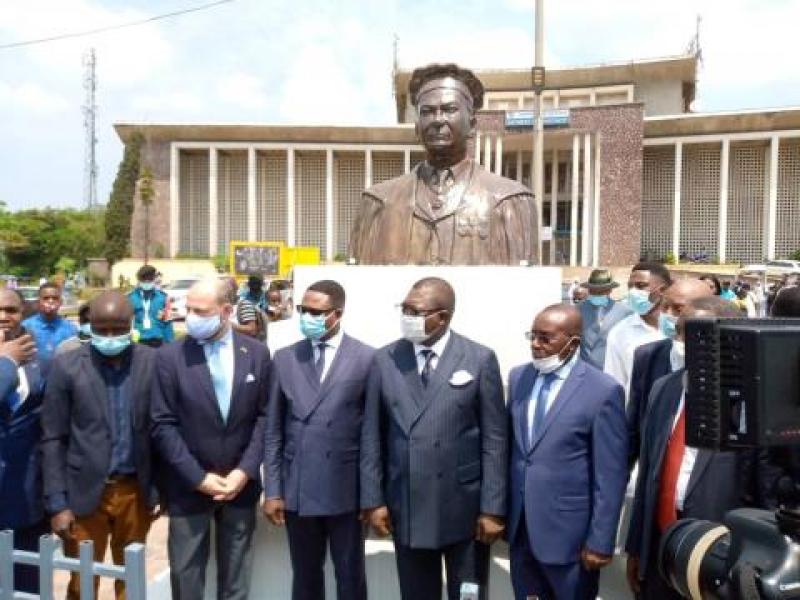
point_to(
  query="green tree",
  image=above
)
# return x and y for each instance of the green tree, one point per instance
(120, 204)
(146, 193)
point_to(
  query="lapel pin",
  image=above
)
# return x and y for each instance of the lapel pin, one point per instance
(243, 349)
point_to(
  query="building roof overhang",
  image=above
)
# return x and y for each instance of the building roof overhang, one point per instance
(723, 123)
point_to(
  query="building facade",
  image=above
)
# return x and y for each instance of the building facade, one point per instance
(629, 171)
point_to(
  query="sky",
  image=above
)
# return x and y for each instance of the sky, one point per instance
(318, 61)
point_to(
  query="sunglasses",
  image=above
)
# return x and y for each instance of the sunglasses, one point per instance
(314, 312)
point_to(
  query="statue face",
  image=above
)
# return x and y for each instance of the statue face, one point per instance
(445, 122)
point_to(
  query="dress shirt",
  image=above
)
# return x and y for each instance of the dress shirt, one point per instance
(224, 346)
(561, 375)
(48, 335)
(687, 462)
(438, 349)
(117, 380)
(331, 347)
(623, 340)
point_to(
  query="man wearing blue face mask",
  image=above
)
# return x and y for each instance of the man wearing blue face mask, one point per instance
(316, 406)
(208, 412)
(646, 285)
(599, 313)
(150, 307)
(96, 445)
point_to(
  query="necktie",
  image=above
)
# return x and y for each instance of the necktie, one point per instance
(540, 411)
(670, 471)
(319, 364)
(425, 375)
(220, 379)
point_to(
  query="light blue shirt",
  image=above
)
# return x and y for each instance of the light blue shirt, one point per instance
(48, 335)
(561, 375)
(219, 358)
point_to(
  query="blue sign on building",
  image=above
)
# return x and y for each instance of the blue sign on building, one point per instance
(523, 119)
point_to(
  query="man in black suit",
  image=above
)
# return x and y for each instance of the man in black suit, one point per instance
(434, 446)
(656, 359)
(209, 400)
(313, 434)
(96, 441)
(676, 481)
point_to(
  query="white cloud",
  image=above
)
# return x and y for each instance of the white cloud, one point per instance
(168, 102)
(30, 96)
(243, 90)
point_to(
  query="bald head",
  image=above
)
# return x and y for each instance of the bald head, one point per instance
(438, 291)
(556, 330)
(210, 290)
(110, 314)
(681, 293)
(564, 316)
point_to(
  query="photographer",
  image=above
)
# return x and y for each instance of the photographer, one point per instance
(676, 481)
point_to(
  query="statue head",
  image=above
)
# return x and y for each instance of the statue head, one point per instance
(446, 98)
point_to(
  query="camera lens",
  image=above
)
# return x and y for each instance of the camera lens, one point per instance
(692, 557)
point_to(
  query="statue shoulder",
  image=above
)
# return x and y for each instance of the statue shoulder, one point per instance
(500, 187)
(383, 190)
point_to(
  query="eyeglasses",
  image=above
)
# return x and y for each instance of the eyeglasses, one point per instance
(544, 338)
(316, 312)
(410, 311)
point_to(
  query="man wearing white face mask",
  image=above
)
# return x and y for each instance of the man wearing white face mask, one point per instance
(568, 465)
(313, 434)
(646, 284)
(599, 313)
(434, 449)
(208, 412)
(98, 483)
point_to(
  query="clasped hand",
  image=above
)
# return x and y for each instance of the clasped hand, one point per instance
(223, 489)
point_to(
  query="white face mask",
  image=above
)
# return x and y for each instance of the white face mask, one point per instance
(551, 363)
(677, 355)
(412, 328)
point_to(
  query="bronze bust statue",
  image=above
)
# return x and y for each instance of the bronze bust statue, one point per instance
(448, 210)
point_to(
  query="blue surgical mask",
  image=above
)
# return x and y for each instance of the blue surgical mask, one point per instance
(639, 301)
(598, 301)
(85, 330)
(147, 285)
(111, 345)
(202, 328)
(668, 325)
(313, 326)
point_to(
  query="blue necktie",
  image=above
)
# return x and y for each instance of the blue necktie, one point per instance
(541, 406)
(220, 379)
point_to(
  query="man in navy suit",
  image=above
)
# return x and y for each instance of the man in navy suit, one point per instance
(208, 405)
(568, 464)
(434, 448)
(313, 434)
(21, 391)
(676, 481)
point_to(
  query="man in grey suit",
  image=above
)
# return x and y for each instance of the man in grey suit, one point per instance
(313, 434)
(599, 313)
(433, 448)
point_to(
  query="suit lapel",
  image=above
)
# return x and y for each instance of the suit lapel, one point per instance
(98, 385)
(305, 356)
(196, 361)
(520, 408)
(701, 463)
(406, 364)
(671, 395)
(565, 394)
(241, 367)
(338, 365)
(451, 357)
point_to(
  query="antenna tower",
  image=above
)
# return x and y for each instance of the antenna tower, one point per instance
(89, 110)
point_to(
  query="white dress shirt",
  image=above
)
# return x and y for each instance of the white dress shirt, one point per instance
(331, 347)
(438, 349)
(687, 462)
(623, 340)
(561, 375)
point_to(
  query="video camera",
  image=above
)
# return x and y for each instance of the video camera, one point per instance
(742, 391)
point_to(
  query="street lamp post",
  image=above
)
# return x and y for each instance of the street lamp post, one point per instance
(537, 156)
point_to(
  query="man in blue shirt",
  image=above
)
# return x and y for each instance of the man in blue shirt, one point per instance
(150, 318)
(255, 292)
(47, 327)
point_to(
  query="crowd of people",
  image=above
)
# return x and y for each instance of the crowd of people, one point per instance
(106, 426)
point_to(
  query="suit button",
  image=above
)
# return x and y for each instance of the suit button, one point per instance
(328, 454)
(439, 475)
(436, 444)
(329, 423)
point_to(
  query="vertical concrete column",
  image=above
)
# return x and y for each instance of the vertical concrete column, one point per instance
(213, 203)
(553, 205)
(724, 162)
(772, 197)
(367, 168)
(290, 212)
(478, 147)
(573, 213)
(487, 152)
(407, 161)
(676, 201)
(498, 155)
(174, 199)
(586, 229)
(252, 212)
(519, 166)
(596, 208)
(329, 204)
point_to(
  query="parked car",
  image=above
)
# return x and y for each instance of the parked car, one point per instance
(773, 268)
(177, 290)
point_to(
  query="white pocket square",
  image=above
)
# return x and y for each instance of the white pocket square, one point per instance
(250, 377)
(460, 378)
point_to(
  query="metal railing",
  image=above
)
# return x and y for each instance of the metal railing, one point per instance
(50, 559)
